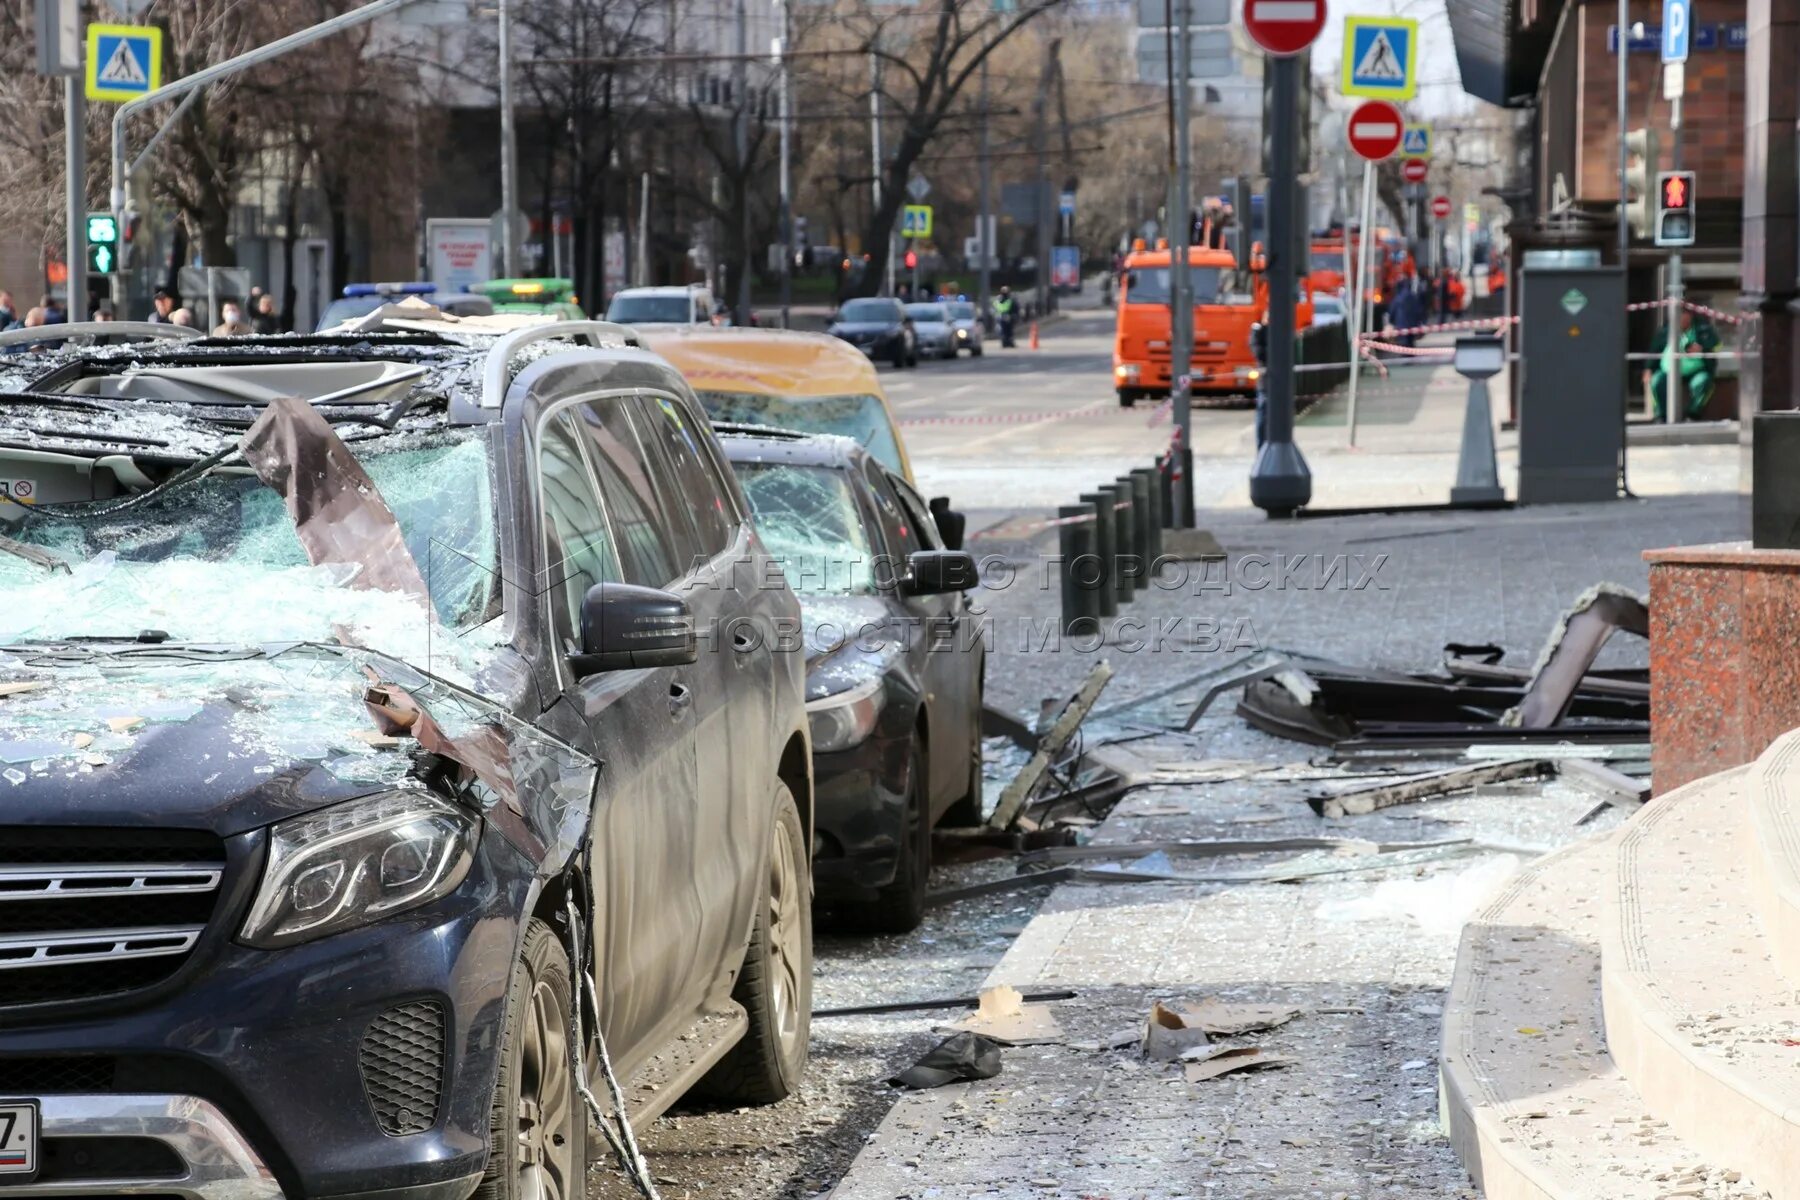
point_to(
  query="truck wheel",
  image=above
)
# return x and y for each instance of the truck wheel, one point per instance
(538, 1124)
(1127, 397)
(900, 906)
(775, 986)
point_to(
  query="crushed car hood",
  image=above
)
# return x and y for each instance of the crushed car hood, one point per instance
(232, 739)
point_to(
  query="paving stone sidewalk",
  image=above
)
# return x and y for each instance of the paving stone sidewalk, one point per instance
(1365, 954)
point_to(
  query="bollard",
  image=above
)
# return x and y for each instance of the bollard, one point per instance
(1140, 533)
(1080, 596)
(1153, 510)
(1124, 583)
(1104, 529)
(1034, 337)
(1478, 359)
(1144, 517)
(1165, 491)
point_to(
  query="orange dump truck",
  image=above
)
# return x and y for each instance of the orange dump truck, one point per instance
(1227, 302)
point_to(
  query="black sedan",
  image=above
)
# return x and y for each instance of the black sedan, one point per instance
(894, 664)
(880, 328)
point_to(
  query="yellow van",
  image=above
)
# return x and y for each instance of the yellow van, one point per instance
(807, 382)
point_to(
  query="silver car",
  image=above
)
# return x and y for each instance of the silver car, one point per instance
(965, 325)
(932, 329)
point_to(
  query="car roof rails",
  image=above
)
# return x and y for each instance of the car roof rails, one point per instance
(496, 371)
(88, 332)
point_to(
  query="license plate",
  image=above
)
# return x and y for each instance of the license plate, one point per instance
(18, 1140)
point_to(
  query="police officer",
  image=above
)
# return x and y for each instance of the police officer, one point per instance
(1006, 310)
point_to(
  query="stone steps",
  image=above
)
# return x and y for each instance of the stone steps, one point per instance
(1623, 1021)
(1534, 1104)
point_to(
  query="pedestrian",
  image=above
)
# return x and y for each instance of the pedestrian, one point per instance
(231, 321)
(9, 315)
(1259, 349)
(1405, 310)
(54, 313)
(104, 312)
(1006, 311)
(265, 320)
(166, 302)
(182, 316)
(1697, 341)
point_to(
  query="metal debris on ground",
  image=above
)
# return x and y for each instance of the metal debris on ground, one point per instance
(1571, 650)
(905, 1006)
(957, 1059)
(1428, 785)
(1061, 731)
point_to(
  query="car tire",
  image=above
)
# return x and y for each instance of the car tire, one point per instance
(775, 986)
(538, 1123)
(974, 351)
(900, 906)
(1127, 397)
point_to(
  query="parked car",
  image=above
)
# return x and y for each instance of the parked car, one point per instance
(1328, 309)
(790, 380)
(310, 862)
(691, 305)
(932, 328)
(361, 299)
(880, 328)
(966, 322)
(894, 665)
(546, 297)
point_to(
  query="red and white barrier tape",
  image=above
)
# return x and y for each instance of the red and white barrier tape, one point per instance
(1014, 418)
(1415, 351)
(1703, 310)
(1448, 327)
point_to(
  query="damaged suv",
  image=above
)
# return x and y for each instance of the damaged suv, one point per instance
(397, 791)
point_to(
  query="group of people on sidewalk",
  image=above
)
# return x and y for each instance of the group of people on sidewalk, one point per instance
(262, 317)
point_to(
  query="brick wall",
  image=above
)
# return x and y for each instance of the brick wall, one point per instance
(1712, 136)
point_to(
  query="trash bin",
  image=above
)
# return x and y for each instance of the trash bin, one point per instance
(1573, 381)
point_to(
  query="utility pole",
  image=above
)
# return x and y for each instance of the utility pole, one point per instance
(740, 80)
(887, 288)
(1181, 303)
(1672, 412)
(1624, 155)
(1041, 180)
(786, 216)
(983, 234)
(75, 158)
(509, 151)
(1280, 483)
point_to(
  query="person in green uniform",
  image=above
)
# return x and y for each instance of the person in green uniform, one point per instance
(1698, 338)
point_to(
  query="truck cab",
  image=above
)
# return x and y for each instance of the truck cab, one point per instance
(1228, 300)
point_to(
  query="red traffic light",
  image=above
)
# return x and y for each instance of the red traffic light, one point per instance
(912, 260)
(1677, 191)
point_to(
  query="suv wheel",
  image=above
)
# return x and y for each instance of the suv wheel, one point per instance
(538, 1123)
(775, 986)
(900, 906)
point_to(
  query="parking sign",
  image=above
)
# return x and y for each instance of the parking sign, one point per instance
(1678, 22)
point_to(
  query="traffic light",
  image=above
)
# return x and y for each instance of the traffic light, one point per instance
(1641, 151)
(102, 243)
(1675, 208)
(912, 259)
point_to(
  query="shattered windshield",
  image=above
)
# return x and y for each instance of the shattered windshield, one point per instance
(217, 560)
(810, 522)
(861, 418)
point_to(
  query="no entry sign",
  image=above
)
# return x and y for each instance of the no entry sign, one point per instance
(1375, 130)
(1414, 170)
(1440, 207)
(1283, 26)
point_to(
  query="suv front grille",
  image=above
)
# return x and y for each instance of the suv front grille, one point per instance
(86, 913)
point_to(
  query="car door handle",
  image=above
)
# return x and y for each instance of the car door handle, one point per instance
(681, 698)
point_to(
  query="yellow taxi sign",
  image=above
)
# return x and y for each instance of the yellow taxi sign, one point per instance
(124, 62)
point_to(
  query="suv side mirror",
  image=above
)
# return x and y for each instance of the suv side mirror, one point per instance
(624, 626)
(935, 572)
(951, 525)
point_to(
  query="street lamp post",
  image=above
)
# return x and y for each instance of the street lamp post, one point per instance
(509, 151)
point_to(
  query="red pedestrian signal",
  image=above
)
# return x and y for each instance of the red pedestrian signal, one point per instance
(912, 260)
(1677, 192)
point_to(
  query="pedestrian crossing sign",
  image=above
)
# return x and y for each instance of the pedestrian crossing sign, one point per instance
(1381, 57)
(915, 221)
(123, 61)
(1415, 142)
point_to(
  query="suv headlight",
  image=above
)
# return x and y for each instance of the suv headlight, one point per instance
(356, 863)
(846, 719)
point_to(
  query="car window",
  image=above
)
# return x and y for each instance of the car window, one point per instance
(813, 527)
(900, 530)
(919, 512)
(577, 549)
(706, 500)
(870, 310)
(642, 309)
(648, 553)
(862, 417)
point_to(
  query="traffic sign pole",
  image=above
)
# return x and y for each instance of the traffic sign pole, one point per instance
(75, 156)
(1376, 129)
(1362, 288)
(1675, 49)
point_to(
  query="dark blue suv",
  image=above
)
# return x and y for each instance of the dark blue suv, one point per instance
(376, 712)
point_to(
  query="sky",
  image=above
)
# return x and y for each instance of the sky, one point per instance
(1440, 87)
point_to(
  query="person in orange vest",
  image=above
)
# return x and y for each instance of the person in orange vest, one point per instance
(1459, 295)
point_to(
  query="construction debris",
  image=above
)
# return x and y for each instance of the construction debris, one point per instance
(1428, 785)
(1004, 1016)
(1168, 1034)
(1060, 732)
(906, 1006)
(1571, 650)
(1225, 1061)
